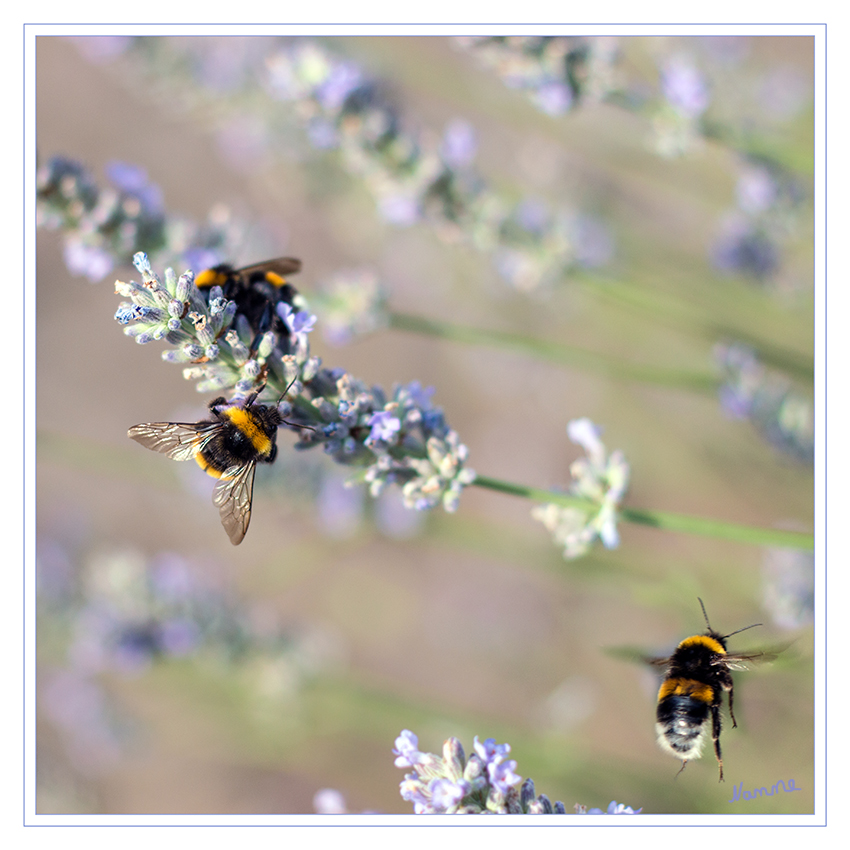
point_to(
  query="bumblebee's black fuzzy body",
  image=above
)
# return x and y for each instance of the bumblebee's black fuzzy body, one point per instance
(257, 290)
(244, 435)
(229, 446)
(691, 694)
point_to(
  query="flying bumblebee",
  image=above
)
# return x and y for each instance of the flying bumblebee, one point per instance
(695, 677)
(257, 290)
(228, 447)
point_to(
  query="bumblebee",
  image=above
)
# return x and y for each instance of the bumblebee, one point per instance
(228, 447)
(696, 675)
(257, 290)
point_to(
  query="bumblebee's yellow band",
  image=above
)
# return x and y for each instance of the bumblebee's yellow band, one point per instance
(686, 688)
(248, 426)
(207, 467)
(210, 277)
(703, 640)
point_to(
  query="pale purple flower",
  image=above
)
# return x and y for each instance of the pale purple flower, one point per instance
(340, 508)
(500, 772)
(615, 808)
(101, 48)
(586, 434)
(459, 144)
(406, 749)
(385, 426)
(445, 793)
(329, 801)
(179, 636)
(300, 322)
(133, 180)
(554, 98)
(600, 478)
(412, 790)
(343, 79)
(684, 87)
(401, 210)
(89, 260)
(756, 190)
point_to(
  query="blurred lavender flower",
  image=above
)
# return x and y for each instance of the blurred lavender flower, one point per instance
(555, 72)
(742, 248)
(394, 519)
(329, 801)
(485, 783)
(767, 214)
(351, 303)
(412, 178)
(125, 612)
(339, 507)
(788, 587)
(686, 96)
(453, 785)
(129, 611)
(401, 438)
(100, 49)
(614, 808)
(748, 391)
(600, 478)
(102, 227)
(459, 144)
(684, 87)
(406, 749)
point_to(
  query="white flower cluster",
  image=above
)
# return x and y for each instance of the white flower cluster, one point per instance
(601, 479)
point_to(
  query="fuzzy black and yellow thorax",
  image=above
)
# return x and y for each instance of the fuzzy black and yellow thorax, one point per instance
(245, 435)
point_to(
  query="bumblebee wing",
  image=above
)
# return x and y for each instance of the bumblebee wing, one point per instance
(232, 496)
(282, 266)
(743, 660)
(636, 656)
(177, 440)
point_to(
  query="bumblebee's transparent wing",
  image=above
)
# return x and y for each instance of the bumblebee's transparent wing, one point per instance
(233, 495)
(743, 660)
(635, 656)
(282, 266)
(178, 440)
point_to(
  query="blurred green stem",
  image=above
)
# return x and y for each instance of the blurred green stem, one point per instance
(673, 313)
(663, 519)
(613, 367)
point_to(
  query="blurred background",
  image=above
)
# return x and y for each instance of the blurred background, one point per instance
(177, 673)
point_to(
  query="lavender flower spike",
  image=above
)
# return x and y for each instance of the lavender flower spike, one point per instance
(599, 478)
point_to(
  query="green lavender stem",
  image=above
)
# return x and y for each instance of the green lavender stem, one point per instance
(672, 313)
(664, 519)
(613, 367)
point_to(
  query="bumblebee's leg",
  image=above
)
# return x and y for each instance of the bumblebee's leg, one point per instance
(715, 736)
(732, 713)
(684, 765)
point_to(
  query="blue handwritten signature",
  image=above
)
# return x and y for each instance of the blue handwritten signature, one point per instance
(738, 794)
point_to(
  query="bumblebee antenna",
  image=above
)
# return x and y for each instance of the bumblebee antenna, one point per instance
(742, 630)
(283, 396)
(288, 387)
(737, 631)
(704, 614)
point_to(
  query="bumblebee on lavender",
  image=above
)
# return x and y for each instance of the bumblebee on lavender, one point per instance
(257, 290)
(696, 676)
(228, 447)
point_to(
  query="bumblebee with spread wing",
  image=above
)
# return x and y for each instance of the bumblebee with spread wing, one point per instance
(227, 447)
(696, 676)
